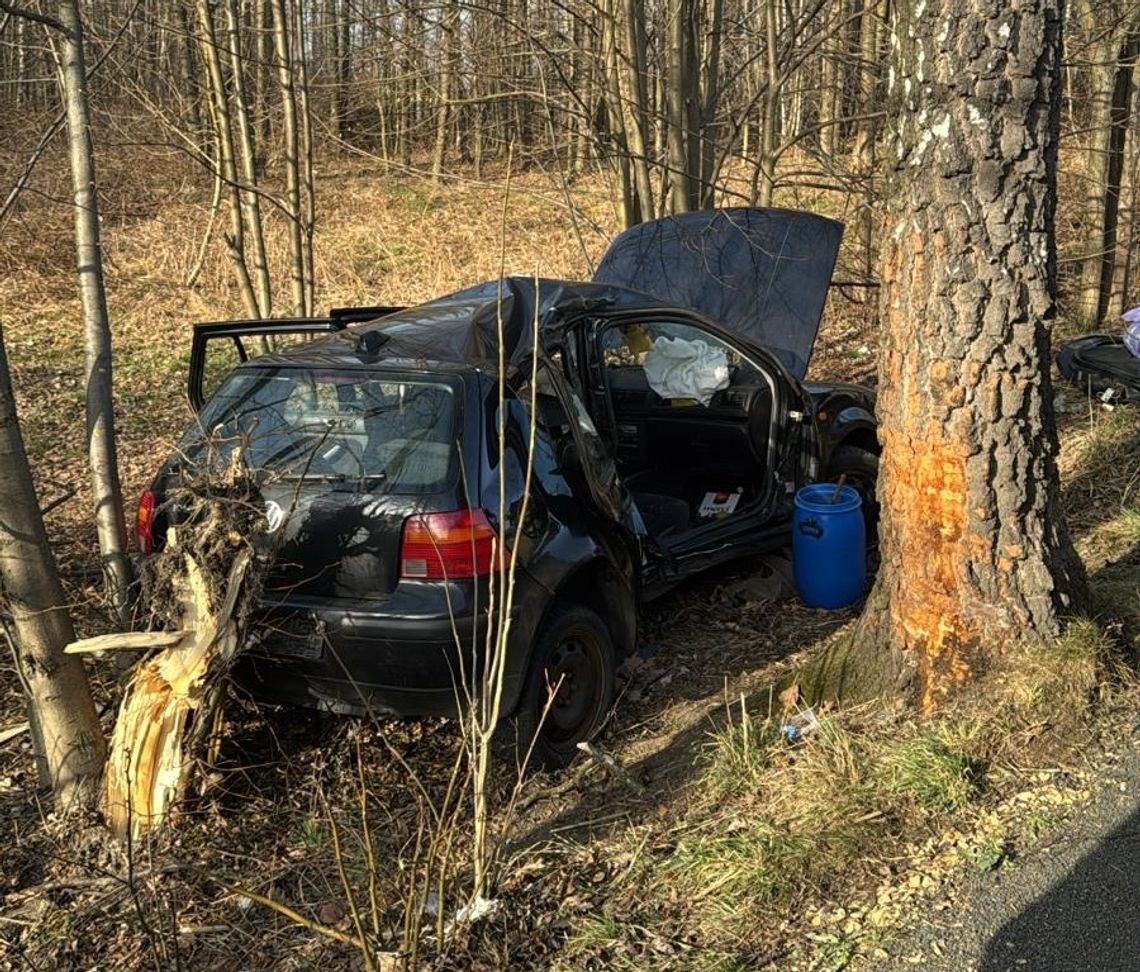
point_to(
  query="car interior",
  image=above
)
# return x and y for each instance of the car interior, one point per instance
(690, 423)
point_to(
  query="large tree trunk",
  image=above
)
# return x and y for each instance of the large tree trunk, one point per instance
(102, 457)
(69, 743)
(975, 556)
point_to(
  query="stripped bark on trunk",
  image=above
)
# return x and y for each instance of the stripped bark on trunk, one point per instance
(975, 554)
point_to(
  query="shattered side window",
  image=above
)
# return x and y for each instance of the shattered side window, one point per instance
(546, 467)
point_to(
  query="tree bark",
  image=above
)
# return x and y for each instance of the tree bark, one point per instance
(291, 132)
(250, 200)
(975, 555)
(226, 161)
(103, 459)
(635, 98)
(305, 163)
(69, 743)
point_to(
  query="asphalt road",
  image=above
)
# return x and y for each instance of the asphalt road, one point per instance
(1071, 904)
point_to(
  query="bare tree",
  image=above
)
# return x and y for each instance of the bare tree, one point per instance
(283, 49)
(68, 741)
(103, 459)
(1114, 61)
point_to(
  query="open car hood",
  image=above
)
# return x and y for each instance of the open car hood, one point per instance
(762, 273)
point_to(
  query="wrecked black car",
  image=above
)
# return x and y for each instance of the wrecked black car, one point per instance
(671, 429)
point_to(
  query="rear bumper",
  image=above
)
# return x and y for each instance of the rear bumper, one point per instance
(406, 657)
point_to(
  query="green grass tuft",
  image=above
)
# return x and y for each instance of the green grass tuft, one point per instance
(933, 768)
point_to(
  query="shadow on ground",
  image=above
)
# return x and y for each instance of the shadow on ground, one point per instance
(1087, 920)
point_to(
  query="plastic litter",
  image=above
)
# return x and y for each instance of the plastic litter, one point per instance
(799, 726)
(479, 909)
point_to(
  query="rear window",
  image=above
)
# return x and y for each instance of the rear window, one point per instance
(393, 434)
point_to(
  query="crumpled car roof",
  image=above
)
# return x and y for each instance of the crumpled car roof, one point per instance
(463, 328)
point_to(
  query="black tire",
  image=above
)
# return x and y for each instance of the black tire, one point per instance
(861, 467)
(574, 652)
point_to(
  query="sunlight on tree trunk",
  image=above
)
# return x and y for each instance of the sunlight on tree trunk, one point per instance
(69, 743)
(104, 464)
(975, 556)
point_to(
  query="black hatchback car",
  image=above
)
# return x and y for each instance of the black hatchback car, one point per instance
(671, 429)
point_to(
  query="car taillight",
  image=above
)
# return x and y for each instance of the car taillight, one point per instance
(447, 545)
(144, 522)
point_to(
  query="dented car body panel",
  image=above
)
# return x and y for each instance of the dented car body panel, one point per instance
(664, 443)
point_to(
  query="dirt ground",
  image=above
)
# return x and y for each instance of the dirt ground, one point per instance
(287, 782)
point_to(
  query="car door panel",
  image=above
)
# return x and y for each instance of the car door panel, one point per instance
(729, 436)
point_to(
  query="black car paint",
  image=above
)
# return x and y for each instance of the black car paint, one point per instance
(391, 646)
(397, 653)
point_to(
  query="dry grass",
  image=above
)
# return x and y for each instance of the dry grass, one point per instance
(777, 833)
(742, 840)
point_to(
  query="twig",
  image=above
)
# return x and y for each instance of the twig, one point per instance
(294, 916)
(620, 772)
(12, 732)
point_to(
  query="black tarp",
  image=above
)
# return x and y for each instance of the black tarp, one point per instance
(762, 273)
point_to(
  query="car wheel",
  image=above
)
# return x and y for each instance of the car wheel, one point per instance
(861, 467)
(574, 659)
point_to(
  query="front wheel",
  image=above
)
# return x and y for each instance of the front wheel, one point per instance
(568, 690)
(861, 469)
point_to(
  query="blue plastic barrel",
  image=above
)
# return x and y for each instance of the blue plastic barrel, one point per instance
(829, 546)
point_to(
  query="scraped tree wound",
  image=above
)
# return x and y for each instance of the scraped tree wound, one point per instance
(975, 555)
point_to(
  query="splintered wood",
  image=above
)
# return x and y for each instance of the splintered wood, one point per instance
(149, 763)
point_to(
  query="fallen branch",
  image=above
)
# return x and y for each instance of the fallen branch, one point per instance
(127, 641)
(13, 732)
(619, 772)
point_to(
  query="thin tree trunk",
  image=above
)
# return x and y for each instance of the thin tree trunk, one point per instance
(447, 55)
(679, 102)
(226, 162)
(250, 200)
(635, 102)
(764, 179)
(188, 76)
(292, 136)
(709, 78)
(829, 86)
(975, 554)
(1119, 119)
(617, 145)
(305, 175)
(863, 153)
(262, 76)
(69, 743)
(108, 495)
(1127, 238)
(332, 35)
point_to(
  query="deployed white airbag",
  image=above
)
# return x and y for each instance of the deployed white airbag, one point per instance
(676, 368)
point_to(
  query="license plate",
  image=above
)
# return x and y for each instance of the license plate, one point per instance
(297, 638)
